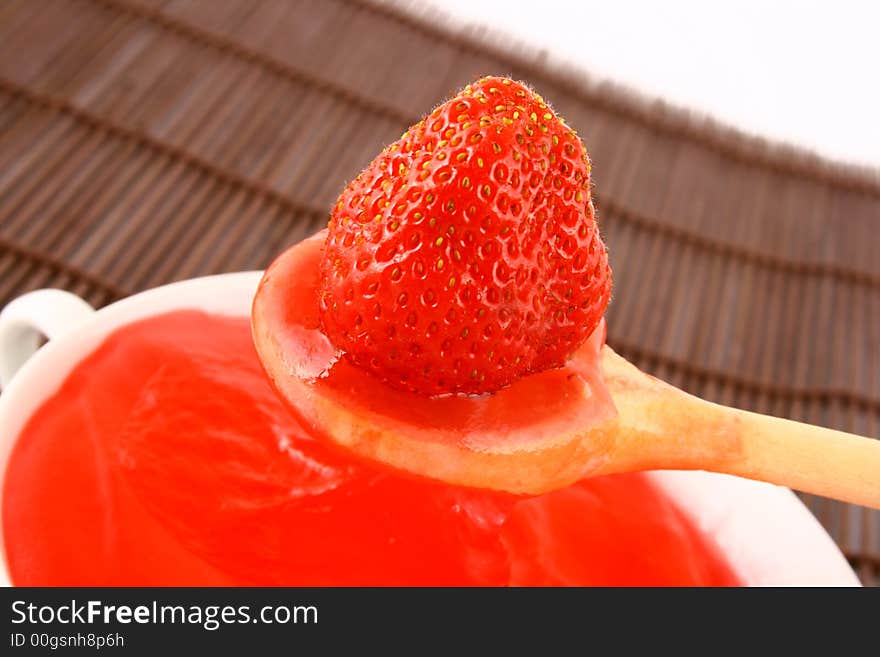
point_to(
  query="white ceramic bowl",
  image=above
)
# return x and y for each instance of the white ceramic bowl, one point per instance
(768, 535)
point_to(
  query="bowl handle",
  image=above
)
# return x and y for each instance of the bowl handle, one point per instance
(31, 317)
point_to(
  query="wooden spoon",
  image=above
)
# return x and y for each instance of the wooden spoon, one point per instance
(541, 433)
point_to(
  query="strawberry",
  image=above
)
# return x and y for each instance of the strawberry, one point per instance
(467, 255)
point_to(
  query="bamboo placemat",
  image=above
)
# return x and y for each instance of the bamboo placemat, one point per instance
(151, 141)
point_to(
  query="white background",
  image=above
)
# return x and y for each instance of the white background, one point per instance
(804, 72)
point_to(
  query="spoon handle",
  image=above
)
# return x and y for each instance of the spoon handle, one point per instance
(662, 427)
(808, 458)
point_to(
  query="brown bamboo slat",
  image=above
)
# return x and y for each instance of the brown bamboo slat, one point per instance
(146, 141)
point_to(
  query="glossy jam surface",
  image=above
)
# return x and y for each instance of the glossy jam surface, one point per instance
(166, 458)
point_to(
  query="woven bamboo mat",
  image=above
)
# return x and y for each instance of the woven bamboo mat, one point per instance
(151, 141)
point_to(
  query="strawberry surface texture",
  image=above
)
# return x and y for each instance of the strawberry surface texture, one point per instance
(467, 254)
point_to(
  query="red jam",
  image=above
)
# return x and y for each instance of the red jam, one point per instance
(167, 459)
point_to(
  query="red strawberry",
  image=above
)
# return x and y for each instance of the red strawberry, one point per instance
(466, 254)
